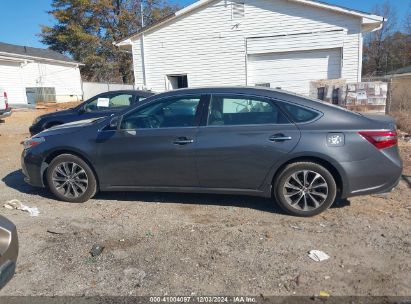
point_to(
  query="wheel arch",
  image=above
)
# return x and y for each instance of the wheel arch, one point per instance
(337, 173)
(53, 154)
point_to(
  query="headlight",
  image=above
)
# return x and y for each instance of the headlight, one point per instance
(31, 142)
(36, 121)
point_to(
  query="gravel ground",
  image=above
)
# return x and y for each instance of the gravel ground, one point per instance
(177, 244)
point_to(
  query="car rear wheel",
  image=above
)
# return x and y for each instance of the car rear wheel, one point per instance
(305, 189)
(71, 179)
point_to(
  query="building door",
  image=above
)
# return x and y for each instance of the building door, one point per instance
(31, 96)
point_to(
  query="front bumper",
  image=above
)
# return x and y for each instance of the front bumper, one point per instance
(5, 113)
(32, 169)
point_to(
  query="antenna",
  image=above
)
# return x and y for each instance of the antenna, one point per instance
(142, 13)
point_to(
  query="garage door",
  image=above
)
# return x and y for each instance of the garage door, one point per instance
(293, 71)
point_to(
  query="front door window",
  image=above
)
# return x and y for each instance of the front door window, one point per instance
(177, 112)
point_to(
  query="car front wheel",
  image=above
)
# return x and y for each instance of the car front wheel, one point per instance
(305, 189)
(71, 179)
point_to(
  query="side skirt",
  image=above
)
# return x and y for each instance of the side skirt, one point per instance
(250, 192)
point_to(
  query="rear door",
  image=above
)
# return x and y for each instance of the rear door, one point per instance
(243, 137)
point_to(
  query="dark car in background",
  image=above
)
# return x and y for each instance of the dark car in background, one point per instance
(9, 250)
(103, 104)
(252, 141)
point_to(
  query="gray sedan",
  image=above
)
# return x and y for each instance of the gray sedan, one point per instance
(253, 141)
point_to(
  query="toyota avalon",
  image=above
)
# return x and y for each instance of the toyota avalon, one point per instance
(300, 152)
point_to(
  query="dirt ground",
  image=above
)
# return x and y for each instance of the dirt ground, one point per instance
(179, 244)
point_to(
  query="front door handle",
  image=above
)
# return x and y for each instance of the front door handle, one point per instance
(280, 138)
(183, 141)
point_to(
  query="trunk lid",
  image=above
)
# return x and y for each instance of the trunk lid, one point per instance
(387, 122)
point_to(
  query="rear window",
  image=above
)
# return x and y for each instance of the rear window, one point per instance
(299, 114)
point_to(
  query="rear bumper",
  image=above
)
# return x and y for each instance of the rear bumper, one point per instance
(372, 176)
(5, 113)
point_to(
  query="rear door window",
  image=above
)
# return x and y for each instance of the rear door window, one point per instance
(109, 101)
(300, 114)
(232, 110)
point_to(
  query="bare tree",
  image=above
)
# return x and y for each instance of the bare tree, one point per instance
(86, 30)
(407, 21)
(378, 44)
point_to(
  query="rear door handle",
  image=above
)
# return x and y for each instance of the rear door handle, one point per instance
(280, 138)
(183, 141)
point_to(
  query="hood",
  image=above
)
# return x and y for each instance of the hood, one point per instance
(70, 127)
(58, 113)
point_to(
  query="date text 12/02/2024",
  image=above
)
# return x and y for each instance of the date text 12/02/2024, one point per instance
(203, 299)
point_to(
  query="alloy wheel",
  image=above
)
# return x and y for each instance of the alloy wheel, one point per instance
(305, 190)
(70, 179)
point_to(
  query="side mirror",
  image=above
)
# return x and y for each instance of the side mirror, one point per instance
(114, 123)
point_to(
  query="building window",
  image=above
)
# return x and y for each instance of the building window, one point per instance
(237, 9)
(177, 82)
(263, 84)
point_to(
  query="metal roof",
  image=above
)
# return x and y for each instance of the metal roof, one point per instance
(30, 52)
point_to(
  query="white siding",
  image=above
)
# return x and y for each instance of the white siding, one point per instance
(65, 79)
(210, 47)
(137, 65)
(199, 45)
(16, 77)
(298, 42)
(11, 81)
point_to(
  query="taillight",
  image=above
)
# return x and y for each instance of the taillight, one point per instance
(6, 100)
(381, 139)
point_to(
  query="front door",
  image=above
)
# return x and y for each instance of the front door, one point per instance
(244, 137)
(154, 146)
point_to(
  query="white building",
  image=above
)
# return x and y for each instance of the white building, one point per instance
(29, 75)
(276, 43)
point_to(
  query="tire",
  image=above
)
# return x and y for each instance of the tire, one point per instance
(71, 179)
(311, 200)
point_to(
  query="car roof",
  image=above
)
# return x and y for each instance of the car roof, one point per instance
(264, 92)
(261, 91)
(278, 94)
(136, 92)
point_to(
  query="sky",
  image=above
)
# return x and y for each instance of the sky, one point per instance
(21, 19)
